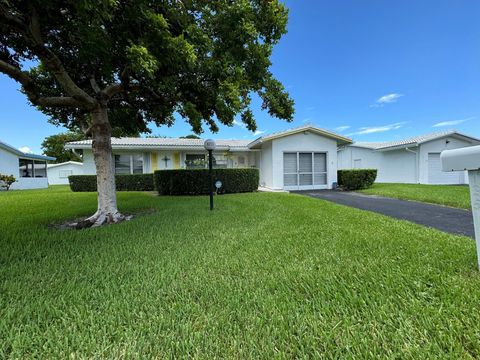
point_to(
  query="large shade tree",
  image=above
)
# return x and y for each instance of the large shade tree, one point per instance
(99, 64)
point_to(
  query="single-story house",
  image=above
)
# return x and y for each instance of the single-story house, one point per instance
(30, 170)
(412, 160)
(300, 158)
(58, 173)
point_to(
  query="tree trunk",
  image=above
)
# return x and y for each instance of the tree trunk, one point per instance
(107, 212)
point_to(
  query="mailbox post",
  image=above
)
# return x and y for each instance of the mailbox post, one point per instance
(210, 146)
(467, 158)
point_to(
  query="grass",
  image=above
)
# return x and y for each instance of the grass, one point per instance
(265, 275)
(448, 195)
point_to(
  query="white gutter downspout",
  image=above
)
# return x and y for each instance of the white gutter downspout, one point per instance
(417, 172)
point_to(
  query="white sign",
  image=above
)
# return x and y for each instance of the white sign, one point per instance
(218, 184)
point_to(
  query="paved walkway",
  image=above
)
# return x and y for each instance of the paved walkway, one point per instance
(451, 220)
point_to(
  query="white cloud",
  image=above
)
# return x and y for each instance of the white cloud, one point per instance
(452, 122)
(377, 129)
(25, 149)
(239, 124)
(342, 128)
(387, 99)
(258, 132)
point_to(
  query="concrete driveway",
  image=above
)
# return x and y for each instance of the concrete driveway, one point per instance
(451, 220)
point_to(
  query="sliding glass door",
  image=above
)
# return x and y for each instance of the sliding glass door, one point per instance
(304, 170)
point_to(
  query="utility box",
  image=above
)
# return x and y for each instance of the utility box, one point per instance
(467, 158)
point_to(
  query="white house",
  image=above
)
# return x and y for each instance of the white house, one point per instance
(412, 160)
(30, 170)
(300, 158)
(58, 173)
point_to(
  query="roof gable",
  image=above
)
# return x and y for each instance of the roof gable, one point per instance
(413, 141)
(316, 130)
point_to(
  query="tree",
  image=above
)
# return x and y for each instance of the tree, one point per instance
(54, 145)
(125, 63)
(6, 181)
(191, 136)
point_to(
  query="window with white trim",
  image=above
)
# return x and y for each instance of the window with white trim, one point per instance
(128, 164)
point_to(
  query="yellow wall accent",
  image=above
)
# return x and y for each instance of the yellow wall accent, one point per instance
(176, 160)
(154, 160)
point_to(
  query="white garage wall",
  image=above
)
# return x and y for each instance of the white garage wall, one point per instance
(308, 142)
(397, 166)
(348, 155)
(437, 146)
(53, 173)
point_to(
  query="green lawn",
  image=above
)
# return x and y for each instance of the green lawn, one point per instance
(449, 195)
(266, 275)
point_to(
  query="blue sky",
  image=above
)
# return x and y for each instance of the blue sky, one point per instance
(373, 70)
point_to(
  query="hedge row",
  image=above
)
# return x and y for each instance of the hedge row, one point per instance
(135, 182)
(356, 179)
(197, 181)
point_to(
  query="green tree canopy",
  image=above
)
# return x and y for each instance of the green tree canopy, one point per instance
(54, 145)
(125, 63)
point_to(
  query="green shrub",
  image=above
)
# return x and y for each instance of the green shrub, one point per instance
(197, 181)
(135, 182)
(356, 179)
(6, 181)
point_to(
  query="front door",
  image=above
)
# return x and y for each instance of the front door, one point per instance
(304, 170)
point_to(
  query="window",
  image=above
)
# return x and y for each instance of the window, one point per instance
(128, 164)
(63, 174)
(195, 161)
(40, 169)
(220, 161)
(241, 160)
(137, 164)
(32, 168)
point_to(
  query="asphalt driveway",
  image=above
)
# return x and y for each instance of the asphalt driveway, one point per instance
(451, 220)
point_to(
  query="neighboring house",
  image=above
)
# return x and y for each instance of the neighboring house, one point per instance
(412, 160)
(30, 170)
(58, 173)
(300, 158)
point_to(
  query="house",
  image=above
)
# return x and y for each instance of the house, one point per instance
(30, 170)
(300, 158)
(412, 160)
(58, 173)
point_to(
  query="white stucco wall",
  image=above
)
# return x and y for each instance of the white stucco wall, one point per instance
(306, 142)
(396, 166)
(53, 173)
(266, 172)
(8, 163)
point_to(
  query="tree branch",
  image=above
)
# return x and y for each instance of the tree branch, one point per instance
(27, 84)
(32, 34)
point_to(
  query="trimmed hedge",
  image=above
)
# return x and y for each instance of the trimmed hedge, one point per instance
(356, 179)
(135, 182)
(197, 181)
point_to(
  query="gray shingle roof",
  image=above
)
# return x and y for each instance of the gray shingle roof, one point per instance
(412, 141)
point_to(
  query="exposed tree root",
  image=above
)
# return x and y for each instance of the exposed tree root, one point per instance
(101, 218)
